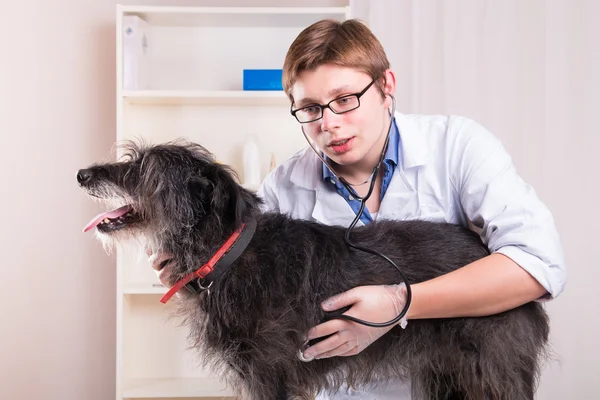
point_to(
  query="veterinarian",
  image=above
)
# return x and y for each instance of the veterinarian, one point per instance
(442, 168)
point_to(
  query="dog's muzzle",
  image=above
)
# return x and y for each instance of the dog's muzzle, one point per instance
(89, 176)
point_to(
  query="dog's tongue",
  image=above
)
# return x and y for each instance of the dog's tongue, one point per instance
(116, 213)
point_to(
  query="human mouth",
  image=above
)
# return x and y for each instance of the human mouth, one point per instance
(341, 146)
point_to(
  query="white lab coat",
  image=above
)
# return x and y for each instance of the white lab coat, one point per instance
(450, 169)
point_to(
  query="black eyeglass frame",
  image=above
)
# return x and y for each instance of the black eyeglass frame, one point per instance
(328, 105)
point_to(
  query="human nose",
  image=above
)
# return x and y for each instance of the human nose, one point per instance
(330, 120)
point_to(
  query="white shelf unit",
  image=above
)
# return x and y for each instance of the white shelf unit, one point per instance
(167, 388)
(191, 88)
(205, 97)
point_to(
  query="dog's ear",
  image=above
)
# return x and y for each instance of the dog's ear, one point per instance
(244, 203)
(230, 199)
(201, 191)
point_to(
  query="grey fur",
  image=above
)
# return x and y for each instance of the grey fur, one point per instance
(252, 323)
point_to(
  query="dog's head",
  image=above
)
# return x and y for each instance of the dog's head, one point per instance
(167, 193)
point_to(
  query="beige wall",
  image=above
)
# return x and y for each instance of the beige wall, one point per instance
(57, 113)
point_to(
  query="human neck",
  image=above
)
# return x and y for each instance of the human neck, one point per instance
(359, 173)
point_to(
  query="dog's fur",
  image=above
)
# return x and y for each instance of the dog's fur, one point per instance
(253, 319)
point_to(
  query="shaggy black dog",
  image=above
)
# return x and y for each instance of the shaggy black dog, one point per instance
(252, 319)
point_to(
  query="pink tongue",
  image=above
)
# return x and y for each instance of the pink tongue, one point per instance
(111, 214)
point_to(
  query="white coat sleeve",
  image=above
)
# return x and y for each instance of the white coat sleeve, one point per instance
(512, 219)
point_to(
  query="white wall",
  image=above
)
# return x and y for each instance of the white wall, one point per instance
(57, 113)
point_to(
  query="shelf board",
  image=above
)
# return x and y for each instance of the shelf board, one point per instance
(205, 97)
(234, 16)
(145, 289)
(175, 388)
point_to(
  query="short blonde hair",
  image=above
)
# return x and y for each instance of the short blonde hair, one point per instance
(347, 43)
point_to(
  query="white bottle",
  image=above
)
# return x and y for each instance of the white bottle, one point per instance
(251, 163)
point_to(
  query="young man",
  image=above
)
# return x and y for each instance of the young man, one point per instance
(444, 168)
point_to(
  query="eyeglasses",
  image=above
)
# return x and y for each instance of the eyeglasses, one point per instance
(340, 105)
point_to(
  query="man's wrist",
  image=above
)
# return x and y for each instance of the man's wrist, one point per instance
(401, 303)
(413, 309)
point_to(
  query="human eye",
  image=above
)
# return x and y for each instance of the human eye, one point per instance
(346, 102)
(310, 110)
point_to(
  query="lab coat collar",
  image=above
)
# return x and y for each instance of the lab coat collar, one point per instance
(414, 146)
(307, 171)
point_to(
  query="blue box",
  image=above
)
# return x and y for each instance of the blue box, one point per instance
(262, 79)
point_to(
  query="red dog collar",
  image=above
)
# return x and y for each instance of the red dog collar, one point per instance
(206, 268)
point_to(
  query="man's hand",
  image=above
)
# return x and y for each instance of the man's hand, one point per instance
(369, 303)
(158, 261)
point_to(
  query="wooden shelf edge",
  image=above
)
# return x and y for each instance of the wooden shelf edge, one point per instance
(233, 10)
(175, 388)
(182, 16)
(216, 97)
(144, 289)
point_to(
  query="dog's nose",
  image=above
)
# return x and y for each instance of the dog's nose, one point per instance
(84, 176)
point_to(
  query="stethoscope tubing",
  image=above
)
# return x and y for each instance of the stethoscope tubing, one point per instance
(363, 201)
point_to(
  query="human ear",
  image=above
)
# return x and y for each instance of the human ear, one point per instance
(389, 86)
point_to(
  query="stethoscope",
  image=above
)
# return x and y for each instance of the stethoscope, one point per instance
(363, 201)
